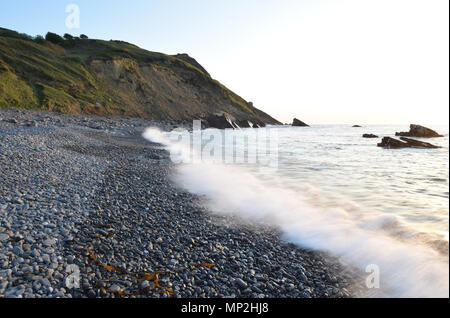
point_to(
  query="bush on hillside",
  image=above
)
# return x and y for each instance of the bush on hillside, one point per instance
(54, 38)
(14, 34)
(39, 39)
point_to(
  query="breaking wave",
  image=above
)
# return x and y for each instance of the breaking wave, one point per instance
(308, 218)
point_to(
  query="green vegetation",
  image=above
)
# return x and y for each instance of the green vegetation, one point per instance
(15, 92)
(68, 37)
(43, 76)
(39, 39)
(55, 99)
(79, 75)
(54, 38)
(14, 34)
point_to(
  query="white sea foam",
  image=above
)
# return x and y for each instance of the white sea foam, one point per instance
(308, 219)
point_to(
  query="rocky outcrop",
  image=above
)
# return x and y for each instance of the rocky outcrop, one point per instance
(392, 143)
(259, 124)
(219, 121)
(356, 126)
(245, 124)
(388, 142)
(419, 131)
(370, 136)
(418, 143)
(224, 121)
(298, 123)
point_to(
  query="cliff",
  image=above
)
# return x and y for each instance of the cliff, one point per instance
(85, 76)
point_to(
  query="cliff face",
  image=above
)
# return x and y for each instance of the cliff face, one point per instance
(112, 78)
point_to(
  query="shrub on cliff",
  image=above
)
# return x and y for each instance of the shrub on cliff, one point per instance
(39, 39)
(54, 38)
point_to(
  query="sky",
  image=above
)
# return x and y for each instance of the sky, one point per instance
(322, 61)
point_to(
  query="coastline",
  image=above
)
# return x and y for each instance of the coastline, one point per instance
(90, 191)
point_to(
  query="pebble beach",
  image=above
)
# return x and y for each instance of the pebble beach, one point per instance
(88, 209)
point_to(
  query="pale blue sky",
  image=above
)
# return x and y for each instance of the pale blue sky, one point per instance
(323, 61)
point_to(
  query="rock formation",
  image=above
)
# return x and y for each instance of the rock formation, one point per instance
(392, 143)
(370, 136)
(220, 121)
(419, 131)
(417, 143)
(246, 124)
(298, 123)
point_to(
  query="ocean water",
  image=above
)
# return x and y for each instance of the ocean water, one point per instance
(328, 189)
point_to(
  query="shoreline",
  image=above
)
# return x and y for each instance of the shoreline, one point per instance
(90, 191)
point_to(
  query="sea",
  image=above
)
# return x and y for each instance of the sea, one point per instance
(383, 211)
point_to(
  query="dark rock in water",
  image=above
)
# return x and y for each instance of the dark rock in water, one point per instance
(392, 143)
(370, 136)
(417, 143)
(419, 131)
(220, 121)
(299, 123)
(388, 142)
(356, 126)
